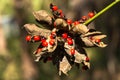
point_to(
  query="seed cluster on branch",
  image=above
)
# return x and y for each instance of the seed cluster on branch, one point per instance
(62, 41)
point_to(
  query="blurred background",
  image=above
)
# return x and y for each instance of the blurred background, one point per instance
(16, 59)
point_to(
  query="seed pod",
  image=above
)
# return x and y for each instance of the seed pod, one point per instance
(80, 28)
(79, 57)
(92, 39)
(61, 24)
(43, 17)
(87, 64)
(64, 66)
(63, 41)
(32, 29)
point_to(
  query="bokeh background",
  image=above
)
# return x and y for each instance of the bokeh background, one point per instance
(16, 59)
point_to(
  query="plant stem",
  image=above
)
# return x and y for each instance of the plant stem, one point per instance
(101, 12)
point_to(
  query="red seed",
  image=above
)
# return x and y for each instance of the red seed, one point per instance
(90, 14)
(52, 42)
(69, 38)
(28, 38)
(97, 40)
(64, 35)
(76, 22)
(70, 42)
(84, 17)
(43, 40)
(87, 59)
(62, 15)
(38, 50)
(53, 35)
(72, 51)
(91, 37)
(54, 24)
(60, 11)
(45, 44)
(69, 21)
(49, 58)
(36, 38)
(54, 8)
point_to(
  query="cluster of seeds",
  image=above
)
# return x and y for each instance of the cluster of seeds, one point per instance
(62, 40)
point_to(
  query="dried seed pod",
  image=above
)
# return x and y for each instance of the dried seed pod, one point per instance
(87, 42)
(91, 33)
(43, 17)
(39, 55)
(80, 29)
(64, 66)
(99, 36)
(79, 57)
(32, 29)
(87, 64)
(61, 24)
(69, 47)
(51, 48)
(64, 43)
(90, 38)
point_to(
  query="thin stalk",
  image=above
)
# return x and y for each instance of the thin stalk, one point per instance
(101, 12)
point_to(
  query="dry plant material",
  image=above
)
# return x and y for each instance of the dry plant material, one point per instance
(62, 41)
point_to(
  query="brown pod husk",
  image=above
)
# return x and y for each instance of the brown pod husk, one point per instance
(32, 29)
(79, 57)
(64, 66)
(43, 17)
(86, 38)
(80, 29)
(61, 24)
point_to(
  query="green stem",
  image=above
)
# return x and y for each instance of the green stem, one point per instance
(101, 12)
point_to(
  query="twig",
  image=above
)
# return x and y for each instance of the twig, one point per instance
(101, 12)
